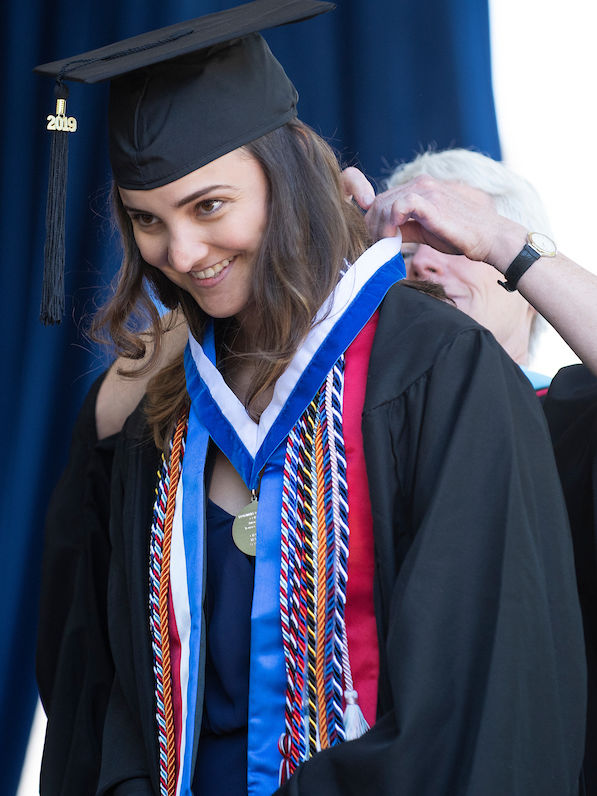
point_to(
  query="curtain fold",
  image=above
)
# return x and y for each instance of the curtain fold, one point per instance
(380, 80)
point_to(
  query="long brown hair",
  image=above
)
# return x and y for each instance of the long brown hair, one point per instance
(311, 230)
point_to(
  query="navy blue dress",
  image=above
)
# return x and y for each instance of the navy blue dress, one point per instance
(221, 768)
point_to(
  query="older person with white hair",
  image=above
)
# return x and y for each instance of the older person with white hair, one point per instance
(473, 286)
(464, 216)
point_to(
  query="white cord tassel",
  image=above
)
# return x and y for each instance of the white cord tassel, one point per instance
(355, 724)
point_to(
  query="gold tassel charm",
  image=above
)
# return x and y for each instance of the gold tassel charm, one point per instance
(60, 121)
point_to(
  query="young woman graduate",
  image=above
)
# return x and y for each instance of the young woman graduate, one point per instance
(342, 508)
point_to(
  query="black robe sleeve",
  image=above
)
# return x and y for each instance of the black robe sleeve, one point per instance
(571, 410)
(482, 674)
(74, 664)
(129, 751)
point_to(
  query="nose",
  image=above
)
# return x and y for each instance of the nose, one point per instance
(186, 250)
(426, 263)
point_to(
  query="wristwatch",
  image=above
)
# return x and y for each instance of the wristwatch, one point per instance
(537, 245)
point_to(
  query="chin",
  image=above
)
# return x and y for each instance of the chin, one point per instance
(220, 312)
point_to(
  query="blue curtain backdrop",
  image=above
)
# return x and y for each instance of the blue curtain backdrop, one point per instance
(381, 80)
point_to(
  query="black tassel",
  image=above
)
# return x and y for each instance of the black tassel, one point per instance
(52, 298)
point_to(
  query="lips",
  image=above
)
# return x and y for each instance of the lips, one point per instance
(212, 270)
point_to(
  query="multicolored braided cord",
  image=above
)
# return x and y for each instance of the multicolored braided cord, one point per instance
(159, 584)
(313, 579)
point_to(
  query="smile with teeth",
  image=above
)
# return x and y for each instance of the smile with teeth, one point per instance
(213, 270)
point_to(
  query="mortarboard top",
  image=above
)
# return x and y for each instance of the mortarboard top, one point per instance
(176, 40)
(180, 97)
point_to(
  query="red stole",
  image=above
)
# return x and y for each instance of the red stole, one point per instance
(360, 615)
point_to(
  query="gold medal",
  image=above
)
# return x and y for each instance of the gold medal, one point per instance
(244, 527)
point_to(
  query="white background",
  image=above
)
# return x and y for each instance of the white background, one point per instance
(545, 86)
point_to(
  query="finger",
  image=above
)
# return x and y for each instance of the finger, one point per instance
(389, 230)
(411, 232)
(409, 206)
(356, 185)
(377, 217)
(386, 215)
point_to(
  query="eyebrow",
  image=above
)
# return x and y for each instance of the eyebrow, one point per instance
(198, 194)
(185, 201)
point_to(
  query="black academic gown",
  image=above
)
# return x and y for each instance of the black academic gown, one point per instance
(482, 675)
(482, 679)
(74, 664)
(571, 411)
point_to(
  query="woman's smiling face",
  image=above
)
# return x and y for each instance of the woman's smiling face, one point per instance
(204, 230)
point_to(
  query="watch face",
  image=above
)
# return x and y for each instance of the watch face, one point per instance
(542, 243)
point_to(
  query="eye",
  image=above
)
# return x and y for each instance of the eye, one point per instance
(207, 207)
(408, 251)
(143, 219)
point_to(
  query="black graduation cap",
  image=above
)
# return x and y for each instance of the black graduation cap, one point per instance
(180, 97)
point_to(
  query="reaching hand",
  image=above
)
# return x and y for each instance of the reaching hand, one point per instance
(451, 217)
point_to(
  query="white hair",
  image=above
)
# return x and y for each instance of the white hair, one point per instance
(513, 196)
